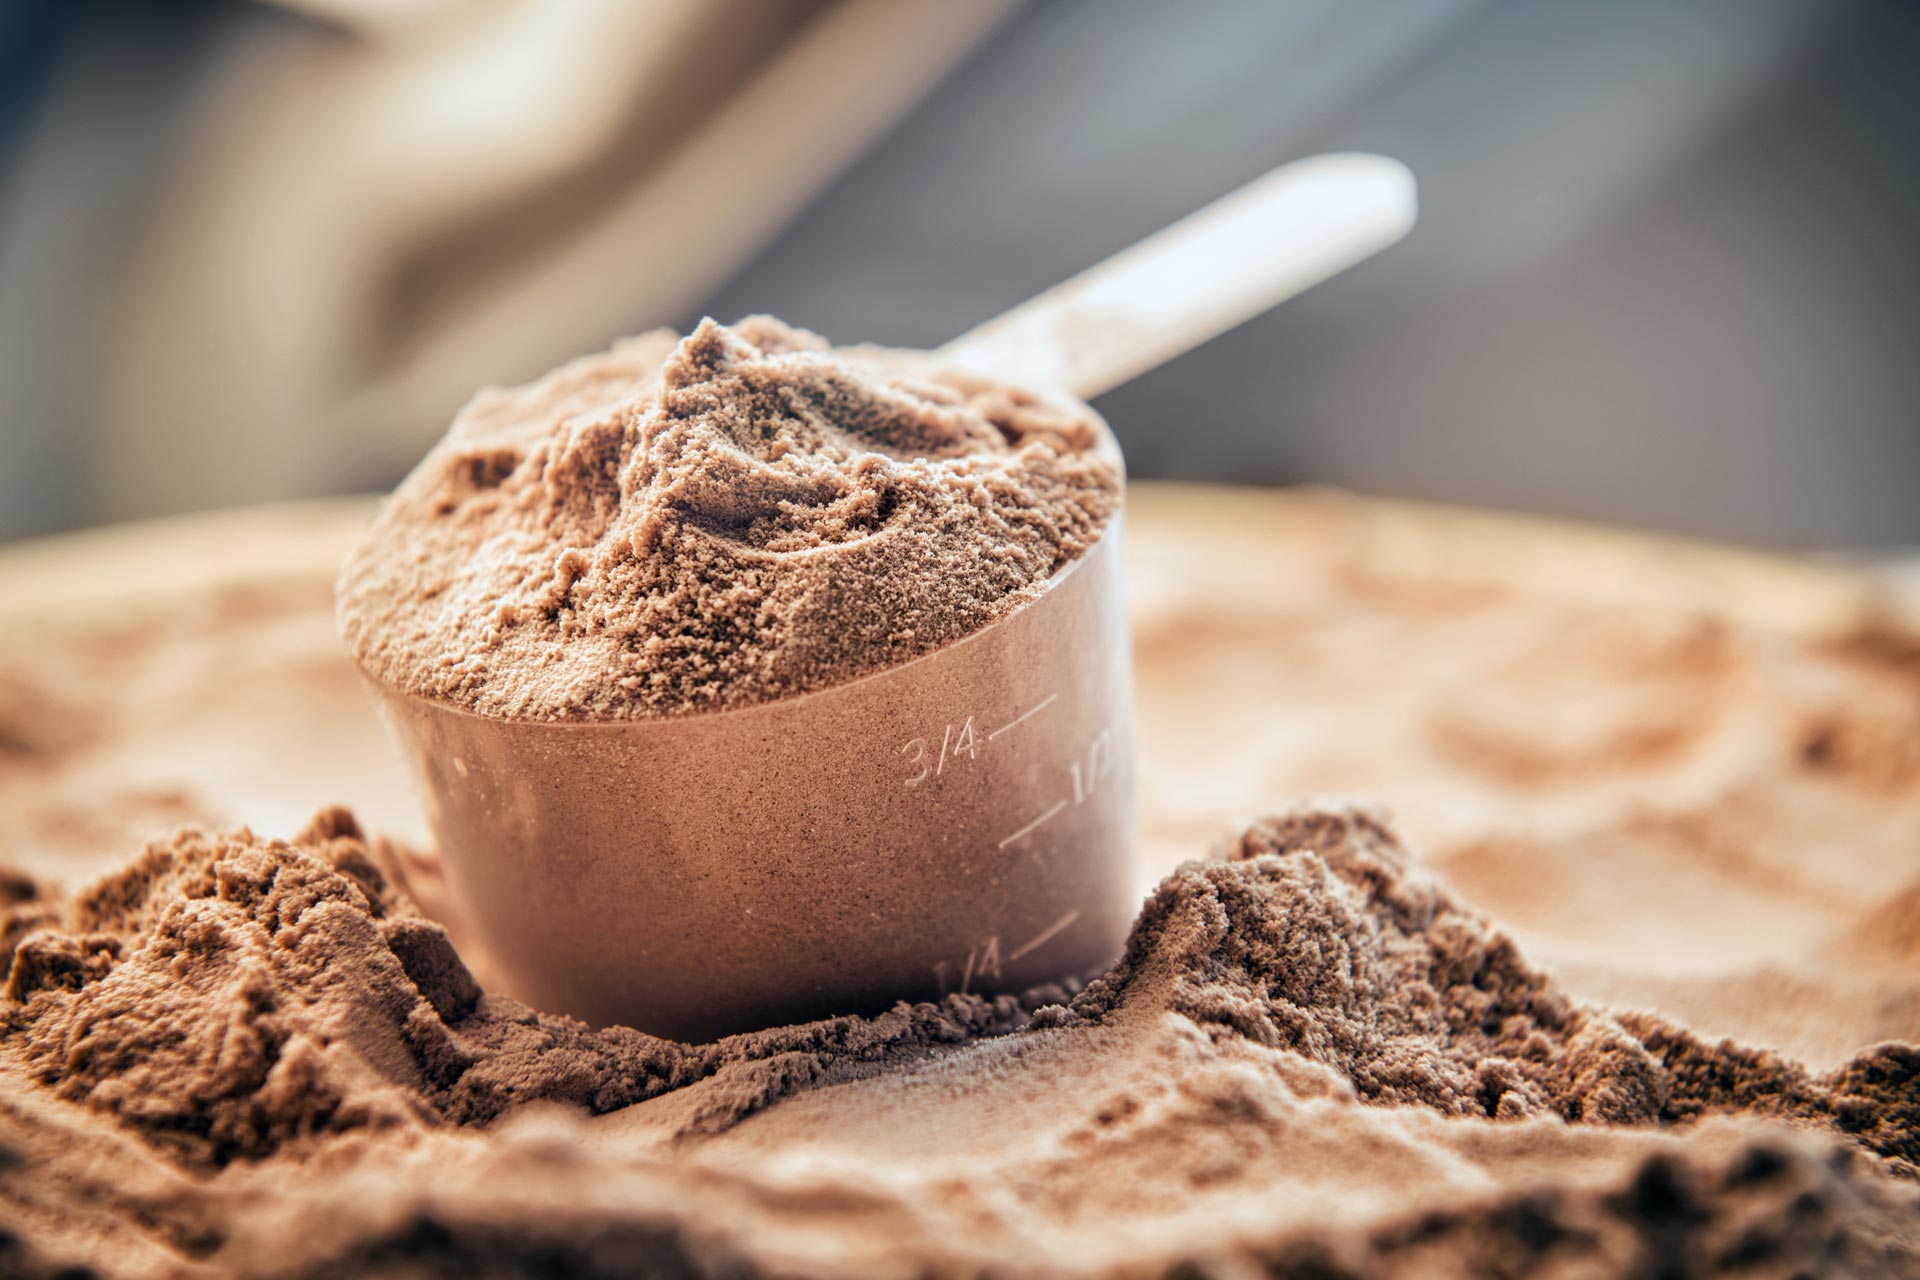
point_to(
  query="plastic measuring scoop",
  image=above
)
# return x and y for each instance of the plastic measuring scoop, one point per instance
(959, 823)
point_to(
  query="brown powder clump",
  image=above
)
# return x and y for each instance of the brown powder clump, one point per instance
(229, 997)
(1320, 937)
(743, 516)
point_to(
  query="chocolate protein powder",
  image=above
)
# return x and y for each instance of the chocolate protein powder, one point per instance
(743, 515)
(1310, 1003)
(1627, 987)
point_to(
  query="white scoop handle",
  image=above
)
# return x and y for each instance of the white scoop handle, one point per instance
(1273, 238)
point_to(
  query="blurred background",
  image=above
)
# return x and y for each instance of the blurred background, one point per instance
(1667, 271)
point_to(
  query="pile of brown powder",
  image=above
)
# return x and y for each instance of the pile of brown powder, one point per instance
(232, 1000)
(1318, 936)
(742, 516)
(230, 996)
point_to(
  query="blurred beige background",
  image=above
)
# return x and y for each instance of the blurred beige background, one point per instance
(1665, 273)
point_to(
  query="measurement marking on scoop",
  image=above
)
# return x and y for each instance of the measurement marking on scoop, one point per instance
(1035, 709)
(952, 746)
(983, 961)
(1030, 827)
(1045, 936)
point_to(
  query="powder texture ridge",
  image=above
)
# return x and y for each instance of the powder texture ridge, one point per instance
(745, 515)
(239, 1003)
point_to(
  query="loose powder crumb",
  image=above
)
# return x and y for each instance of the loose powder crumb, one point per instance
(743, 516)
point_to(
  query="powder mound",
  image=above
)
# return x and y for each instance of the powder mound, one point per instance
(224, 995)
(1320, 937)
(746, 515)
(229, 996)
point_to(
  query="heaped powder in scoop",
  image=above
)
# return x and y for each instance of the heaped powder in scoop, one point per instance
(744, 515)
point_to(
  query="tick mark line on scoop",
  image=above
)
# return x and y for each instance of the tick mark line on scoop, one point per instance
(1028, 829)
(1038, 707)
(1045, 936)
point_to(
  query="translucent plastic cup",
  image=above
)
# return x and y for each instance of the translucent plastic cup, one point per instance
(960, 823)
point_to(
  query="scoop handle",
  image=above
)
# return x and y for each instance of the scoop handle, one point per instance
(1279, 235)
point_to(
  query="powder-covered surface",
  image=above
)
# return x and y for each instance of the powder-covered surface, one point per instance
(1635, 829)
(745, 515)
(228, 998)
